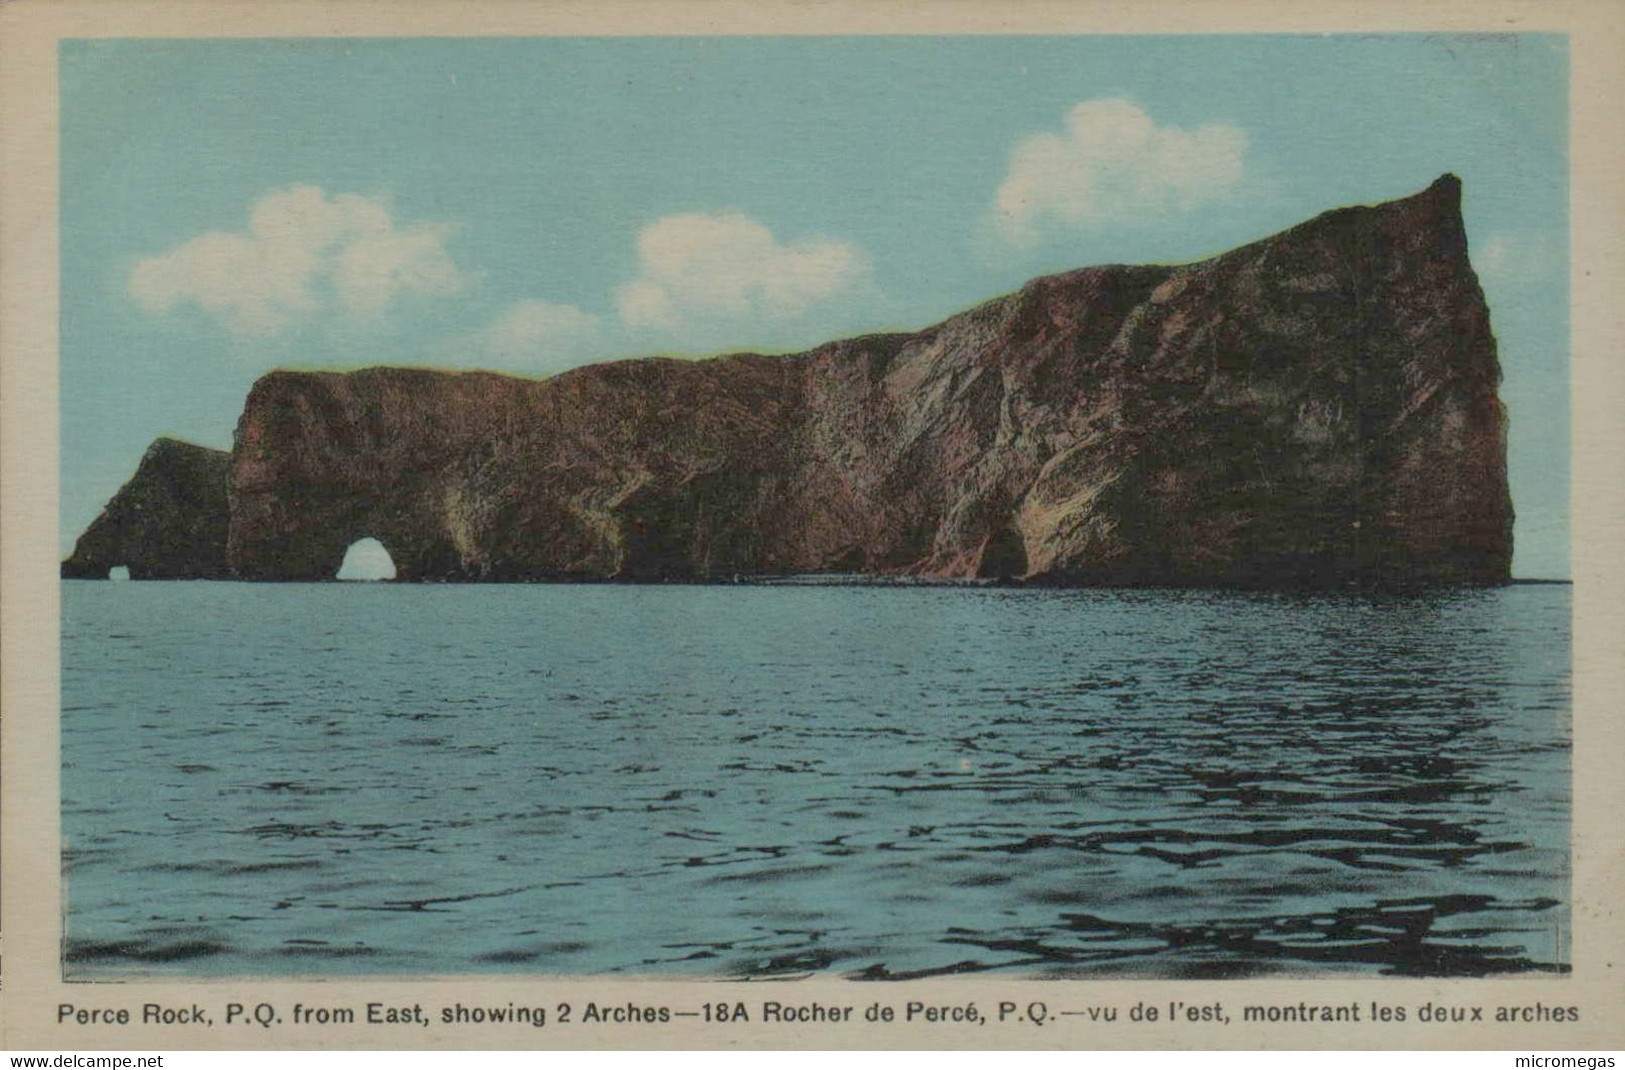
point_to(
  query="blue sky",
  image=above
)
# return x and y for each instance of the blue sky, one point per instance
(531, 204)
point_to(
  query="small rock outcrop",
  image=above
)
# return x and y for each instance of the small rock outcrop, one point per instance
(1317, 409)
(170, 521)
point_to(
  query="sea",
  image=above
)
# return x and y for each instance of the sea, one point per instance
(787, 780)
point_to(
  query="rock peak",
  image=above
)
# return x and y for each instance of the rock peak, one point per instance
(1444, 197)
(1447, 182)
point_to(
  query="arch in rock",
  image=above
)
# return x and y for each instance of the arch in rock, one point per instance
(367, 558)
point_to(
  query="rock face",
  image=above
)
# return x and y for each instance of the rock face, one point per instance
(1316, 409)
(168, 522)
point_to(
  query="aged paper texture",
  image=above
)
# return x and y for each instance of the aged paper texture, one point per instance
(1146, 659)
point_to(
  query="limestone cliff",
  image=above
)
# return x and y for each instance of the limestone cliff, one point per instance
(168, 522)
(1315, 409)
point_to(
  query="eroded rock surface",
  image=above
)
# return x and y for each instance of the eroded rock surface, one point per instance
(1315, 409)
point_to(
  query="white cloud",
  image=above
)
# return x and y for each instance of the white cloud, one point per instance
(1518, 257)
(711, 267)
(1112, 161)
(303, 253)
(538, 337)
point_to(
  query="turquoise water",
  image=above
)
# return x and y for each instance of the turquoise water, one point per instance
(780, 780)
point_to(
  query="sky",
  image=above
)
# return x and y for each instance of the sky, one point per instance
(529, 205)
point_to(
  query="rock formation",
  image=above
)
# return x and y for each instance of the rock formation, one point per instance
(1315, 409)
(168, 522)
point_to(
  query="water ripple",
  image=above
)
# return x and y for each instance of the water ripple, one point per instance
(776, 782)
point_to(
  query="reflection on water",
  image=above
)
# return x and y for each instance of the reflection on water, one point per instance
(774, 781)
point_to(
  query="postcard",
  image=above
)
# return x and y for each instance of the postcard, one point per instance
(801, 526)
